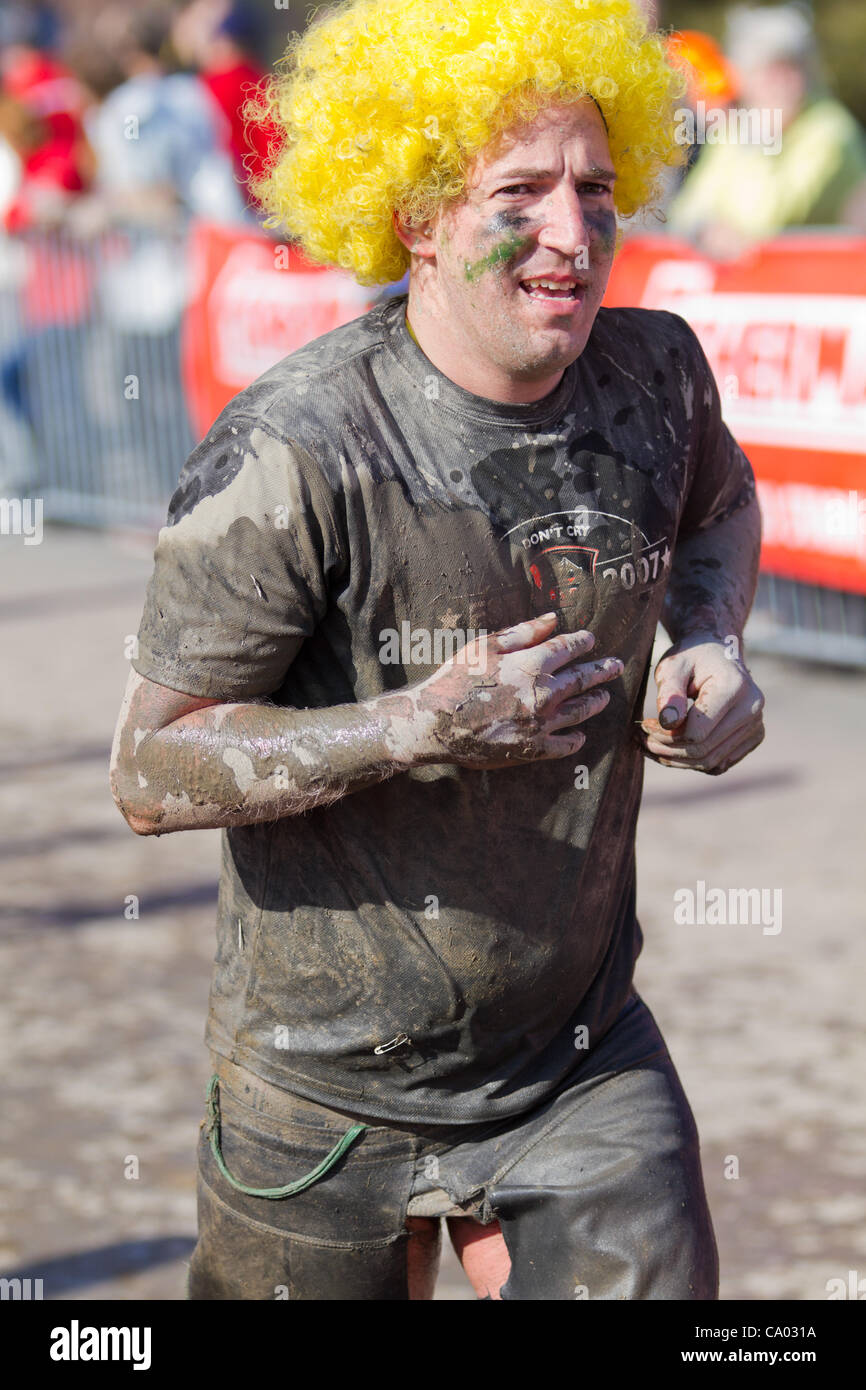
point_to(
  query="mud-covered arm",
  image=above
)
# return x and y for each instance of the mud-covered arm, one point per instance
(713, 578)
(182, 763)
(709, 596)
(708, 601)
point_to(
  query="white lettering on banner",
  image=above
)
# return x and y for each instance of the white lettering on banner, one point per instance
(799, 516)
(799, 360)
(258, 315)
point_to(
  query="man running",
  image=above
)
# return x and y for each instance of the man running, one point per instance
(396, 645)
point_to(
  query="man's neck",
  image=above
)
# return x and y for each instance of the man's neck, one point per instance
(466, 374)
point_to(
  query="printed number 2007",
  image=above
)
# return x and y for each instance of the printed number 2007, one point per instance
(646, 568)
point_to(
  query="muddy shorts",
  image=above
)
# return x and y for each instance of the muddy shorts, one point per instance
(598, 1191)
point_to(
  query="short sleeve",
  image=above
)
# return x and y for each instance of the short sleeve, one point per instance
(242, 566)
(721, 480)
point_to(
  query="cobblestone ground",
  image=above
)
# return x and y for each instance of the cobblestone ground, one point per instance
(104, 1015)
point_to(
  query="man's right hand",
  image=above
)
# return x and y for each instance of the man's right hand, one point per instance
(181, 762)
(514, 696)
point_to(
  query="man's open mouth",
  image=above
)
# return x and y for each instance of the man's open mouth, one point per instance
(543, 288)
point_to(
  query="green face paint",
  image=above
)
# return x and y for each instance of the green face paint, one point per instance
(499, 256)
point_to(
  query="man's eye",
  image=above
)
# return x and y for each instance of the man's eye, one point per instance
(515, 188)
(596, 188)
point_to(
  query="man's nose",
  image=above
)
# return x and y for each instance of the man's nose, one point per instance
(563, 226)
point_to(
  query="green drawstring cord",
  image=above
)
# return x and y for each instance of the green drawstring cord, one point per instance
(290, 1190)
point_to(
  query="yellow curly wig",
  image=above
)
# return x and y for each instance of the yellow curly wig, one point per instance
(383, 104)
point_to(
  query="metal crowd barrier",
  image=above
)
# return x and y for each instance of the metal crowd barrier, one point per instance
(92, 412)
(808, 623)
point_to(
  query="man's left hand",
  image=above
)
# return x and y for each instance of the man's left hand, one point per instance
(724, 723)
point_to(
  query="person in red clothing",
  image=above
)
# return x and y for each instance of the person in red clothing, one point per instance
(56, 160)
(222, 43)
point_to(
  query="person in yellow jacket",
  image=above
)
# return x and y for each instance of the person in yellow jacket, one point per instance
(789, 154)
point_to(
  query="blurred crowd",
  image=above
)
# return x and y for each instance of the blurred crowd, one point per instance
(140, 122)
(143, 121)
(774, 149)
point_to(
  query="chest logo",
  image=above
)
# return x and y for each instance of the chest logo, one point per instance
(577, 562)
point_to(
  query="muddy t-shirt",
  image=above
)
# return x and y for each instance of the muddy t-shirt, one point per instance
(448, 944)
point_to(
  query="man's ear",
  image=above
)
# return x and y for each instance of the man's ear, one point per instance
(415, 236)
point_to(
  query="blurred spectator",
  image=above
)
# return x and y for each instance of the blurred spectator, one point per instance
(222, 41)
(739, 192)
(710, 79)
(41, 110)
(10, 161)
(161, 144)
(709, 76)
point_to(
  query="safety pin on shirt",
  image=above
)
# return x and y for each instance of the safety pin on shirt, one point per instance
(400, 1040)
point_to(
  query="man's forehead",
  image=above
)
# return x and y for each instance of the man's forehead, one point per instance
(529, 145)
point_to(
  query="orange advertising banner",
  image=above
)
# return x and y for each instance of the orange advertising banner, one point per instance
(784, 329)
(253, 302)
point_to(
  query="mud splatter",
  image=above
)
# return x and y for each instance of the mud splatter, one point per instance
(242, 767)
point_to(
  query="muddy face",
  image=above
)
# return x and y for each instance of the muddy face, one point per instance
(523, 259)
